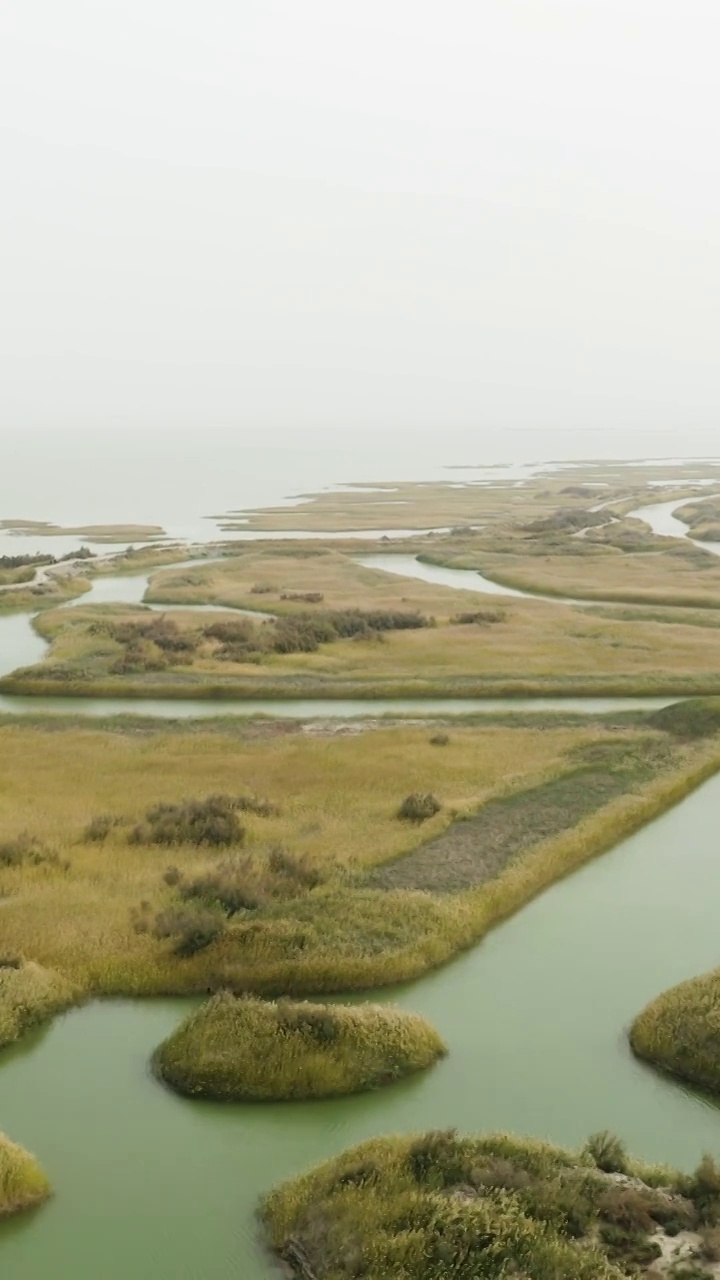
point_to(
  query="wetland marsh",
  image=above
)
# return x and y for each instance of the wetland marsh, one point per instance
(318, 886)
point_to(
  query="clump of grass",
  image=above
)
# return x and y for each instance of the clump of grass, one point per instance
(680, 1031)
(25, 850)
(480, 617)
(440, 740)
(607, 1151)
(213, 822)
(29, 994)
(191, 928)
(438, 1204)
(236, 1049)
(23, 1184)
(98, 828)
(418, 807)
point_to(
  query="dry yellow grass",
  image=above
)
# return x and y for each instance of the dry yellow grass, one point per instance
(338, 795)
(343, 583)
(465, 500)
(534, 645)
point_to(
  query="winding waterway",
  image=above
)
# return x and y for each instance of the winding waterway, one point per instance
(20, 645)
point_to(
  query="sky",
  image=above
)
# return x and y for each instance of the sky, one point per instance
(394, 213)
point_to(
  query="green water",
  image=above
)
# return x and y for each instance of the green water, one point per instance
(154, 1187)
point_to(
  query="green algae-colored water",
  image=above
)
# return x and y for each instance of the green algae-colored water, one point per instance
(159, 1188)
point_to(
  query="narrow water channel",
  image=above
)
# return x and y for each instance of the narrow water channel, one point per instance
(20, 646)
(159, 1188)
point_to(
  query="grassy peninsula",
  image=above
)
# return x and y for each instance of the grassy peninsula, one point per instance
(271, 858)
(437, 1205)
(241, 1049)
(28, 994)
(680, 1031)
(23, 1184)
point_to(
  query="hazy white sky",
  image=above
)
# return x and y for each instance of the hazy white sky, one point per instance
(392, 212)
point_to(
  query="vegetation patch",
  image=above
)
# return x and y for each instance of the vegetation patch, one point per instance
(28, 995)
(680, 1031)
(477, 848)
(243, 1049)
(23, 1184)
(296, 908)
(213, 822)
(437, 1205)
(693, 718)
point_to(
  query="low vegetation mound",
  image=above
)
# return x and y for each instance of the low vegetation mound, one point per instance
(28, 994)
(238, 1048)
(691, 718)
(680, 1031)
(22, 1182)
(419, 806)
(488, 1208)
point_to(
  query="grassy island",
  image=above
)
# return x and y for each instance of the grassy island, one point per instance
(486, 1208)
(23, 1184)
(241, 1049)
(680, 1031)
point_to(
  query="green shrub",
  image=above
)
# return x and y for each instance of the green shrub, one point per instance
(418, 807)
(213, 822)
(233, 886)
(607, 1151)
(440, 740)
(703, 1188)
(480, 617)
(235, 1048)
(710, 1244)
(438, 1158)
(28, 850)
(192, 928)
(99, 828)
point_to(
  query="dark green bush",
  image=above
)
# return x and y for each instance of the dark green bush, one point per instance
(213, 822)
(233, 887)
(480, 617)
(25, 849)
(99, 828)
(438, 1159)
(607, 1151)
(306, 1019)
(289, 867)
(418, 807)
(703, 1188)
(192, 928)
(440, 739)
(629, 1248)
(239, 632)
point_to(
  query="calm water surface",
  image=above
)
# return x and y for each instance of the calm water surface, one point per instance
(159, 1188)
